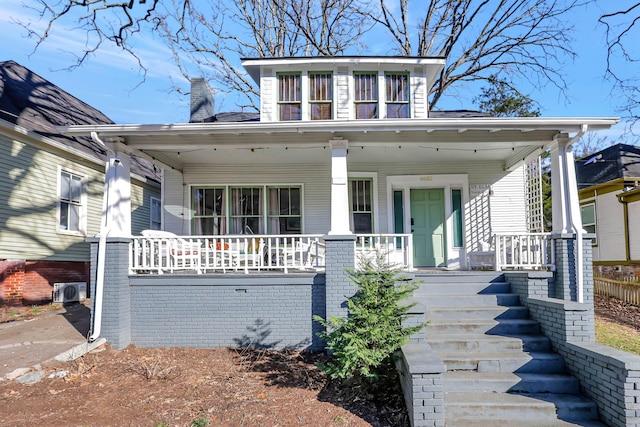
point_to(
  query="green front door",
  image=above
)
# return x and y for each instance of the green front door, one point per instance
(428, 225)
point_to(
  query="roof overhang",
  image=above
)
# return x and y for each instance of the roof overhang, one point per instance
(433, 64)
(510, 140)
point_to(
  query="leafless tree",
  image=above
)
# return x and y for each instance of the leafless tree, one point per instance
(622, 29)
(511, 39)
(213, 35)
(217, 37)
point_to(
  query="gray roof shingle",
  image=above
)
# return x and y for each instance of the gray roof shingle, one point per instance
(36, 104)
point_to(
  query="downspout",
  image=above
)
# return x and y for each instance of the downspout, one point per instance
(578, 233)
(102, 253)
(625, 211)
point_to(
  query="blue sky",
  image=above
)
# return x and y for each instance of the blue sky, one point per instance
(111, 81)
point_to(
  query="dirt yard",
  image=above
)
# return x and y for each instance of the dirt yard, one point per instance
(223, 387)
(191, 387)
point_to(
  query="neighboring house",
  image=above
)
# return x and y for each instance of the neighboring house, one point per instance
(609, 190)
(51, 187)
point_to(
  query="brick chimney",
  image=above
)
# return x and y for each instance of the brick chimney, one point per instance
(201, 101)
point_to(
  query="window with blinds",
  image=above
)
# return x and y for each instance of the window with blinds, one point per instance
(320, 96)
(366, 95)
(289, 99)
(397, 99)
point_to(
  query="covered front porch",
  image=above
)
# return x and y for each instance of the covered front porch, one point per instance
(449, 194)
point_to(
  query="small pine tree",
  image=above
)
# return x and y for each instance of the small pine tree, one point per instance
(373, 331)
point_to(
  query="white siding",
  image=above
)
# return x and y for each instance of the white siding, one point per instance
(419, 92)
(634, 230)
(509, 208)
(268, 94)
(508, 204)
(609, 229)
(175, 196)
(342, 98)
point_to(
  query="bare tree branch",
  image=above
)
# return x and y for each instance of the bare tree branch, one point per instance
(511, 38)
(622, 30)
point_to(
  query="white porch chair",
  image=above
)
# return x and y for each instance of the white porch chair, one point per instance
(484, 258)
(182, 253)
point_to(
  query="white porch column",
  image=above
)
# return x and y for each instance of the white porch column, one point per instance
(116, 212)
(339, 188)
(564, 188)
(567, 222)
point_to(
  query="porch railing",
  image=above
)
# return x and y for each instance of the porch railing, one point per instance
(167, 253)
(237, 253)
(397, 249)
(529, 251)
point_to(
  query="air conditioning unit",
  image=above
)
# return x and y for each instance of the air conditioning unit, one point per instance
(69, 292)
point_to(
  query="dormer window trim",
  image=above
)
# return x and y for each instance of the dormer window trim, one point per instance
(397, 95)
(366, 92)
(289, 95)
(320, 96)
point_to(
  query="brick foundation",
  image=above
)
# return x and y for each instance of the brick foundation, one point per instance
(31, 282)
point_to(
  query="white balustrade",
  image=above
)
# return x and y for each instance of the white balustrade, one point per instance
(528, 251)
(397, 249)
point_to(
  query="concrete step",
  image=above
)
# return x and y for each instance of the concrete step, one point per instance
(480, 300)
(505, 361)
(480, 326)
(495, 312)
(497, 406)
(502, 382)
(488, 343)
(518, 422)
(459, 277)
(464, 288)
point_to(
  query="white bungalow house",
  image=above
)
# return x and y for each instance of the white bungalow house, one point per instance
(263, 215)
(348, 145)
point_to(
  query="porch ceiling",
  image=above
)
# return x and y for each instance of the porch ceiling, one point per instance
(416, 140)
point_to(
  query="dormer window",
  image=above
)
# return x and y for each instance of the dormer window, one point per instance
(366, 95)
(320, 96)
(397, 100)
(289, 99)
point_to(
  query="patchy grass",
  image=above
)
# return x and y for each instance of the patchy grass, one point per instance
(618, 336)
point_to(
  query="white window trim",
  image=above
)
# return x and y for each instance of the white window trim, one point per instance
(265, 205)
(82, 220)
(159, 201)
(373, 176)
(593, 203)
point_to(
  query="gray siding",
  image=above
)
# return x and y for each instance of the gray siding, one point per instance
(141, 206)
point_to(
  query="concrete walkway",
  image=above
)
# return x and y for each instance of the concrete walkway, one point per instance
(27, 343)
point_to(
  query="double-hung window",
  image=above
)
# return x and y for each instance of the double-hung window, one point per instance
(366, 95)
(320, 96)
(588, 212)
(289, 97)
(155, 214)
(70, 202)
(209, 211)
(245, 210)
(361, 205)
(397, 95)
(284, 210)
